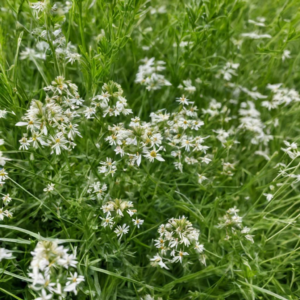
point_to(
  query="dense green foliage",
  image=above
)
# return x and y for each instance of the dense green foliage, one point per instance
(112, 37)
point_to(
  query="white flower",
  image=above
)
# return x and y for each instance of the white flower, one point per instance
(58, 142)
(49, 188)
(286, 54)
(201, 178)
(73, 131)
(31, 124)
(199, 248)
(74, 280)
(3, 114)
(36, 139)
(2, 214)
(39, 6)
(3, 159)
(5, 254)
(107, 221)
(3, 176)
(245, 230)
(178, 166)
(89, 112)
(178, 258)
(68, 261)
(107, 209)
(187, 143)
(182, 100)
(138, 222)
(249, 238)
(131, 212)
(233, 210)
(188, 86)
(120, 230)
(108, 167)
(72, 57)
(205, 160)
(153, 154)
(157, 259)
(24, 143)
(269, 197)
(6, 199)
(44, 296)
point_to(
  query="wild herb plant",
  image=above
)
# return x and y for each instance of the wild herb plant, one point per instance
(148, 149)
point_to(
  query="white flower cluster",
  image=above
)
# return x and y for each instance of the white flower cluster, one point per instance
(32, 54)
(50, 188)
(287, 171)
(228, 71)
(177, 131)
(187, 86)
(228, 169)
(63, 50)
(115, 210)
(108, 167)
(256, 36)
(177, 239)
(254, 94)
(5, 212)
(260, 22)
(214, 108)
(111, 102)
(280, 96)
(54, 120)
(233, 221)
(38, 6)
(148, 74)
(51, 271)
(291, 149)
(250, 120)
(97, 190)
(3, 173)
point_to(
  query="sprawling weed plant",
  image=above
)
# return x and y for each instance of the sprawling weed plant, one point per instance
(148, 149)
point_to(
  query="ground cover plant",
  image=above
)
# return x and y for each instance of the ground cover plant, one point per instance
(149, 149)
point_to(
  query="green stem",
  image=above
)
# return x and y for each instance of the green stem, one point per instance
(40, 70)
(80, 25)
